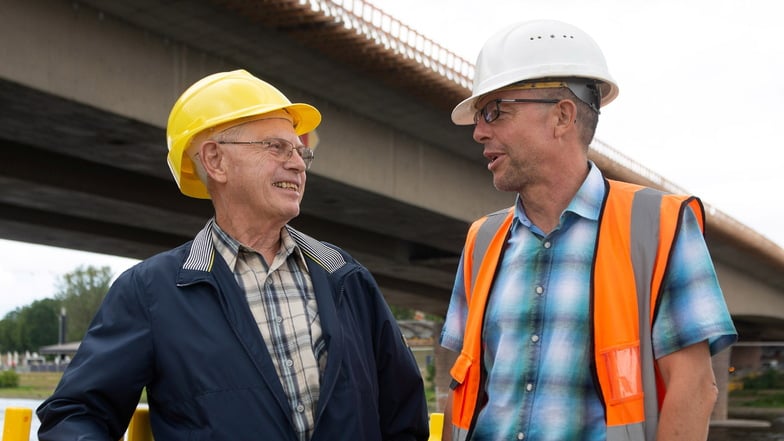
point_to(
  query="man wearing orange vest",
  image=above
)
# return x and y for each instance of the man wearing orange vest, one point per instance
(590, 309)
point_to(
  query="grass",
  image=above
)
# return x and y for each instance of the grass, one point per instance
(770, 398)
(33, 385)
(773, 400)
(38, 386)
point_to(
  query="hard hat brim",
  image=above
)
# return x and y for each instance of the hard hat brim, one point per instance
(306, 117)
(463, 113)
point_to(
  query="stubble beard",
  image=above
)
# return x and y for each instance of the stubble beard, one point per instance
(511, 178)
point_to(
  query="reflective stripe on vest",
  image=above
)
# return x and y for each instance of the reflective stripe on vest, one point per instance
(637, 227)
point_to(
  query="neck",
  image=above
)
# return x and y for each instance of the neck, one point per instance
(544, 201)
(262, 237)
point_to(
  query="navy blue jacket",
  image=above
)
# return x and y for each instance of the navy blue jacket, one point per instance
(179, 325)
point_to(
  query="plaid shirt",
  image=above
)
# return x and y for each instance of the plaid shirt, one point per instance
(283, 303)
(537, 349)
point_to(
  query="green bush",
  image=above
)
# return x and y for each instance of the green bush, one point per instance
(9, 379)
(770, 379)
(772, 400)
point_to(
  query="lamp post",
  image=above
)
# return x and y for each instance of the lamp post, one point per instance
(61, 339)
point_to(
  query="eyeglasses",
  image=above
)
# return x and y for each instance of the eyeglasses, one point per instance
(491, 111)
(280, 149)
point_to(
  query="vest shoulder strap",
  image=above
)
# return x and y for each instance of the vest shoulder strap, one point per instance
(479, 239)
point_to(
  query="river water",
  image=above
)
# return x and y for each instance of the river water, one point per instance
(773, 433)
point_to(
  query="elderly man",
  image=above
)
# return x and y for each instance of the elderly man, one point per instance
(253, 330)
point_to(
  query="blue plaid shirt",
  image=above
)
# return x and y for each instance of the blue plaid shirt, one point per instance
(537, 350)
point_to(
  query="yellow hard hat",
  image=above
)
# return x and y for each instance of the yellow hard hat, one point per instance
(219, 99)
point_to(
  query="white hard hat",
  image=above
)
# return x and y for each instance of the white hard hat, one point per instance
(533, 50)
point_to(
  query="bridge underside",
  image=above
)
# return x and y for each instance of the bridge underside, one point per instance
(77, 177)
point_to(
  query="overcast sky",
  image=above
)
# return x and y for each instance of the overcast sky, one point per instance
(701, 92)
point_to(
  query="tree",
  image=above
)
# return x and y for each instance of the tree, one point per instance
(81, 292)
(401, 313)
(30, 327)
(38, 324)
(9, 335)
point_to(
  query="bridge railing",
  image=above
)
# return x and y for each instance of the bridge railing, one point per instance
(380, 27)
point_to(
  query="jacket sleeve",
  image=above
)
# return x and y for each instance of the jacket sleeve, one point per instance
(402, 403)
(100, 389)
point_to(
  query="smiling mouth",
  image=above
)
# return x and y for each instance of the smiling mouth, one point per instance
(287, 185)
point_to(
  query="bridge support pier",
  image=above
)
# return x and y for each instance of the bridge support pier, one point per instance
(444, 360)
(721, 369)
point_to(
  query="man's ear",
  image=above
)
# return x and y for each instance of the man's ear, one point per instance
(213, 160)
(566, 118)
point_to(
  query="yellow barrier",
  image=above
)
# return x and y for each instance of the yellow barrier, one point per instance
(16, 426)
(139, 428)
(18, 420)
(436, 426)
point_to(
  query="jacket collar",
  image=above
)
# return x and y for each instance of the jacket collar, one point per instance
(201, 256)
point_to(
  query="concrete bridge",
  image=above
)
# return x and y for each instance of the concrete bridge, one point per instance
(85, 90)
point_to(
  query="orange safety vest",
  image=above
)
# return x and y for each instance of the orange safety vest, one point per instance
(637, 227)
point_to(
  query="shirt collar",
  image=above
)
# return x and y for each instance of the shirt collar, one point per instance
(586, 203)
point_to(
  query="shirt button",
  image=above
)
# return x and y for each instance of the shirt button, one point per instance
(279, 319)
(520, 435)
(535, 338)
(547, 244)
(300, 408)
(539, 290)
(529, 387)
(289, 363)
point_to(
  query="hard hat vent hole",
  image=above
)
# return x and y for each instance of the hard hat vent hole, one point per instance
(552, 36)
